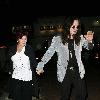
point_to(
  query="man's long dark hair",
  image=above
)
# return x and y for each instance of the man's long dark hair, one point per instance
(67, 24)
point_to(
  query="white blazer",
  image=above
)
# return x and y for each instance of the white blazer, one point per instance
(63, 56)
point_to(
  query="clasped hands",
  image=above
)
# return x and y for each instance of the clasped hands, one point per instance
(39, 71)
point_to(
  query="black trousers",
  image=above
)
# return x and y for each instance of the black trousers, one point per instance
(72, 79)
(22, 90)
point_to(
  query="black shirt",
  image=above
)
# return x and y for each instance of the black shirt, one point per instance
(72, 58)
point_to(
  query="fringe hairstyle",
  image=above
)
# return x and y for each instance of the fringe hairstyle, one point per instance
(19, 35)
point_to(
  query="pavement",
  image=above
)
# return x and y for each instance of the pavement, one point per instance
(50, 87)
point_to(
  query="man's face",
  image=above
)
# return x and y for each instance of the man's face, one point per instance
(74, 28)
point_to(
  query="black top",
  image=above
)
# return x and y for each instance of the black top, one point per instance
(72, 58)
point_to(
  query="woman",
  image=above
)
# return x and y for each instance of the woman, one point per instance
(22, 67)
(70, 69)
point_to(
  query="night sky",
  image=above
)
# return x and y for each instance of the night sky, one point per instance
(26, 11)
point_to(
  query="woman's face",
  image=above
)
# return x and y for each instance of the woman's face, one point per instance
(22, 41)
(74, 27)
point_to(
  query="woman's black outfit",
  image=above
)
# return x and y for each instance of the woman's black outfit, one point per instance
(22, 90)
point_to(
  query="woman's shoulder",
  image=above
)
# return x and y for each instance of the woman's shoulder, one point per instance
(12, 47)
(12, 50)
(28, 47)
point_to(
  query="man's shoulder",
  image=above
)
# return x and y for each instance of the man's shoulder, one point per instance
(58, 37)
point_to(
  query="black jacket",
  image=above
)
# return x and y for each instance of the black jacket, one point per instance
(33, 63)
(28, 52)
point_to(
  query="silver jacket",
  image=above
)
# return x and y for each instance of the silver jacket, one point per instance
(63, 56)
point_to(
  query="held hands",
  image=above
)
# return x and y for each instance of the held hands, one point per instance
(39, 71)
(89, 36)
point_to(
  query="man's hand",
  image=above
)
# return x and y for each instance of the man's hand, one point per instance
(89, 36)
(39, 71)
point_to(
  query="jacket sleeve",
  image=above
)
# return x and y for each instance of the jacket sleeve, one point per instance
(33, 60)
(49, 53)
(9, 63)
(31, 54)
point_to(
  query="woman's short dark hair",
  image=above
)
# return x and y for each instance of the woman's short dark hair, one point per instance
(19, 35)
